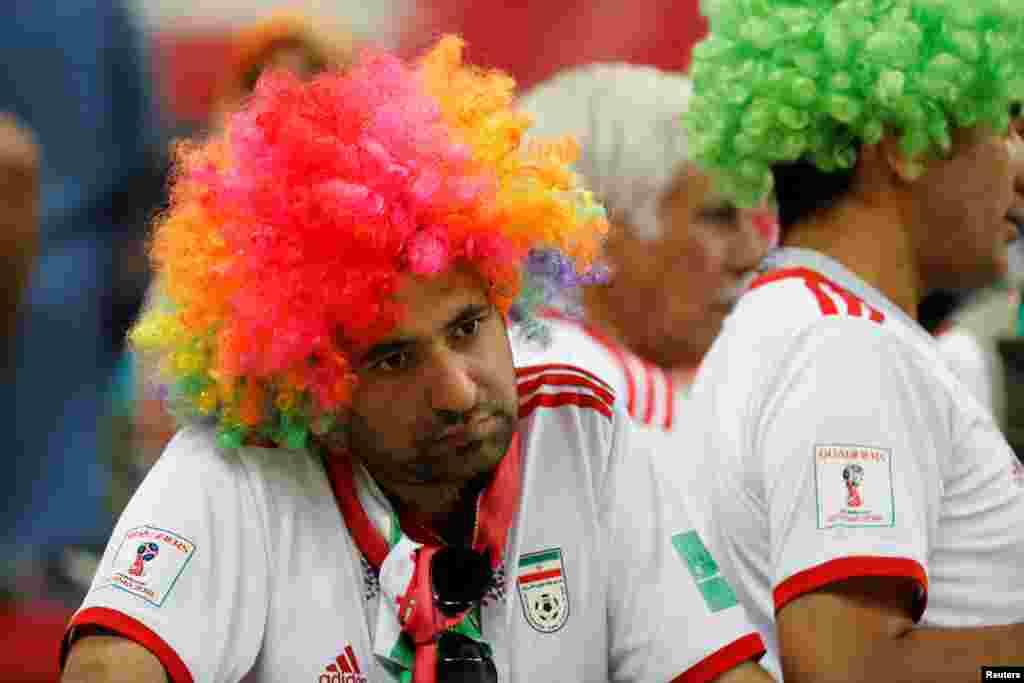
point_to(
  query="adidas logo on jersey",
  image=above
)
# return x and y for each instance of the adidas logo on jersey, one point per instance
(344, 669)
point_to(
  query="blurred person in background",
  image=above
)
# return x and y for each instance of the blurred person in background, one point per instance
(304, 45)
(679, 254)
(19, 222)
(76, 73)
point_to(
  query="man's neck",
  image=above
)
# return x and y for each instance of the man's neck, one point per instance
(453, 525)
(448, 516)
(873, 242)
(605, 311)
(597, 310)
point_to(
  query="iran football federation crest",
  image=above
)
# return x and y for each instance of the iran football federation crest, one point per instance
(542, 590)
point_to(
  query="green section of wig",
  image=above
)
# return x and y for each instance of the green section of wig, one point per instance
(782, 80)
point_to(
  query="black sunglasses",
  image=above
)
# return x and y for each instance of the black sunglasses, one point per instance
(460, 659)
(459, 578)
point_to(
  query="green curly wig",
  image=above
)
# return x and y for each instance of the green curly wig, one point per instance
(782, 80)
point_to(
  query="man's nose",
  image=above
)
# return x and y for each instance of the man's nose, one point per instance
(452, 388)
(1015, 146)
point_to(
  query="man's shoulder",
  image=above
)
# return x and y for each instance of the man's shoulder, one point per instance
(194, 454)
(796, 325)
(801, 297)
(566, 338)
(569, 421)
(791, 307)
(567, 412)
(644, 390)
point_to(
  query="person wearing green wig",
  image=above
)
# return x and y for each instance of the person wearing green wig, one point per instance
(863, 504)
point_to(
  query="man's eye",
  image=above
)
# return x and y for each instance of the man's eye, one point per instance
(468, 329)
(720, 214)
(392, 363)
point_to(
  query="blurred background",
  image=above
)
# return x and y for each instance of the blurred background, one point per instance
(531, 40)
(92, 96)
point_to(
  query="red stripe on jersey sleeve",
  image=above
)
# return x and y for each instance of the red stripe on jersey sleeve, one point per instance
(556, 400)
(669, 401)
(620, 358)
(827, 306)
(729, 657)
(617, 352)
(649, 377)
(854, 306)
(816, 283)
(777, 275)
(131, 629)
(828, 573)
(527, 387)
(531, 370)
(812, 281)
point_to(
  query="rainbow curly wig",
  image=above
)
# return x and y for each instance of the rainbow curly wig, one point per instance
(782, 80)
(287, 235)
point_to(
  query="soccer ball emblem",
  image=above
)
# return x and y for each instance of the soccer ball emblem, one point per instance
(547, 608)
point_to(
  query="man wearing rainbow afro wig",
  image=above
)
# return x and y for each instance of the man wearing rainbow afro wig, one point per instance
(366, 488)
(866, 507)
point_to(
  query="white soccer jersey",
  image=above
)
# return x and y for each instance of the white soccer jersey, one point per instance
(653, 397)
(649, 394)
(970, 363)
(836, 443)
(970, 344)
(226, 562)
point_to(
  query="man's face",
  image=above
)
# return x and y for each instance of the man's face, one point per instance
(436, 406)
(690, 278)
(970, 203)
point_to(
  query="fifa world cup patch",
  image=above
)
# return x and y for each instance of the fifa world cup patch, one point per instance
(716, 591)
(149, 562)
(543, 592)
(854, 486)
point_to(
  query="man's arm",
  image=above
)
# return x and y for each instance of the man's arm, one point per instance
(111, 659)
(747, 672)
(861, 630)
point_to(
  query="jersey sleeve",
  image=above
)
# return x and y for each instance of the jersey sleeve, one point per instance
(848, 439)
(185, 573)
(672, 614)
(967, 360)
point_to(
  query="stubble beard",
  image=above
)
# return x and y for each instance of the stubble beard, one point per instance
(425, 481)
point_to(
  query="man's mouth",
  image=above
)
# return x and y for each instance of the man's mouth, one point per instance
(450, 447)
(472, 430)
(448, 465)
